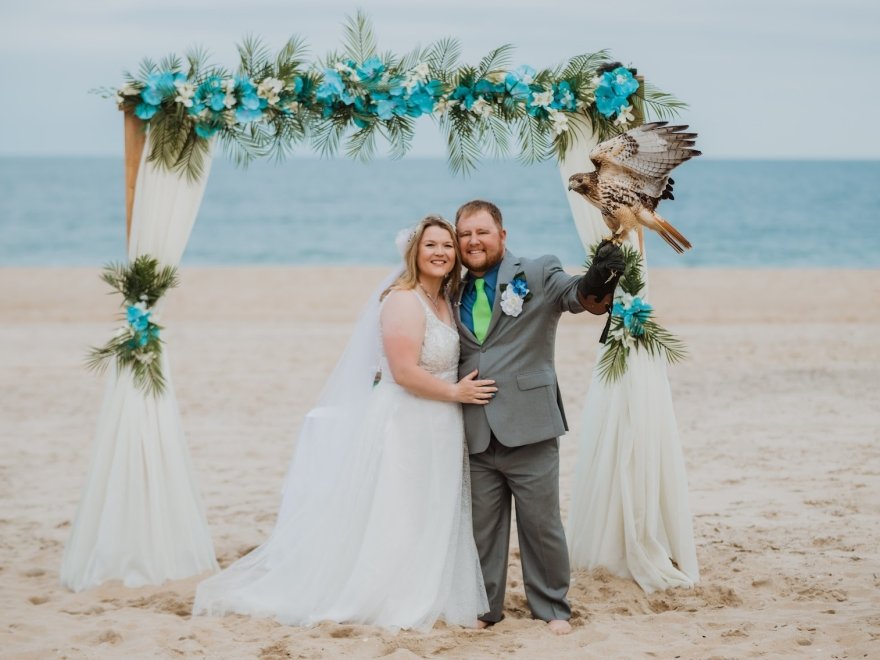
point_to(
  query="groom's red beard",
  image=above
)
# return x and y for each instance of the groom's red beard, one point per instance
(482, 266)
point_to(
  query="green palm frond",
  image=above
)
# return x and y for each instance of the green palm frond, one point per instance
(659, 104)
(359, 42)
(170, 63)
(443, 55)
(241, 146)
(399, 131)
(361, 145)
(496, 131)
(196, 58)
(291, 55)
(327, 135)
(612, 366)
(584, 63)
(498, 58)
(147, 66)
(410, 60)
(463, 150)
(192, 156)
(533, 141)
(254, 55)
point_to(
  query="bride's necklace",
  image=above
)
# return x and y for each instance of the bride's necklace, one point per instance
(435, 300)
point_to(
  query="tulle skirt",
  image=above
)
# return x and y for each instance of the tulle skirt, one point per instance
(630, 511)
(375, 531)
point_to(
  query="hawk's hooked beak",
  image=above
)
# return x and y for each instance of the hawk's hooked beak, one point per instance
(572, 185)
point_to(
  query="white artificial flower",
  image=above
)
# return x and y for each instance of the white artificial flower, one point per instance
(229, 99)
(269, 88)
(142, 306)
(120, 99)
(560, 121)
(155, 318)
(482, 107)
(625, 299)
(344, 69)
(293, 106)
(421, 71)
(624, 116)
(623, 337)
(128, 89)
(145, 357)
(511, 304)
(228, 85)
(185, 93)
(441, 106)
(497, 77)
(542, 99)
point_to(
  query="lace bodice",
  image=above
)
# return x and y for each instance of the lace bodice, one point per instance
(440, 347)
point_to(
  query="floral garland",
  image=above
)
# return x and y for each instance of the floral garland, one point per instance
(275, 102)
(632, 326)
(137, 345)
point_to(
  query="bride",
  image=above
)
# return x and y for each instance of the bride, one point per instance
(375, 524)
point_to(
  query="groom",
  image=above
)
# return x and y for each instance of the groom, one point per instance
(507, 310)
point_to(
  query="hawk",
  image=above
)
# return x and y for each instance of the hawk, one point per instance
(632, 176)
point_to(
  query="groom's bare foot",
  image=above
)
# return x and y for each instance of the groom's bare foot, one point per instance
(559, 626)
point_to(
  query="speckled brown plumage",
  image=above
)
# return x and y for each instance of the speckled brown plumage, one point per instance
(632, 176)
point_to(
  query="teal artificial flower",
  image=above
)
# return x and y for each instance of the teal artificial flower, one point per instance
(371, 69)
(518, 82)
(138, 317)
(634, 314)
(145, 111)
(614, 89)
(464, 94)
(622, 81)
(333, 89)
(205, 130)
(563, 98)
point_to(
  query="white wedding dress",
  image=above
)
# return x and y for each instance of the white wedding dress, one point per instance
(375, 522)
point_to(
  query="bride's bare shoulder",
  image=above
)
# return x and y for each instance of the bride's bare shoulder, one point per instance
(400, 303)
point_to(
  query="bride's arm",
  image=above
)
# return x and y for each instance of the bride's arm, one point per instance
(403, 329)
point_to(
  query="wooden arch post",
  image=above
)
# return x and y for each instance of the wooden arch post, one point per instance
(135, 139)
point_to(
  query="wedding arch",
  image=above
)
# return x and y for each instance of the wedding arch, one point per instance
(141, 519)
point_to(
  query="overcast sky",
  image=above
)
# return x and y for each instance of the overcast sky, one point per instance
(763, 78)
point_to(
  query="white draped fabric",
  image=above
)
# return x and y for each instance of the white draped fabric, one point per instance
(629, 508)
(141, 518)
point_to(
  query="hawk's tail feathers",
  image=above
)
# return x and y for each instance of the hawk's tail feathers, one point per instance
(667, 232)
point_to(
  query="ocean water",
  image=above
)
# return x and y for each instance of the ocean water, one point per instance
(70, 211)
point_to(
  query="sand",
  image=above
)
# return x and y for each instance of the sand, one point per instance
(777, 407)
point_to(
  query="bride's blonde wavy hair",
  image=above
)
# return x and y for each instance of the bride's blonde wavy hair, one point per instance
(409, 278)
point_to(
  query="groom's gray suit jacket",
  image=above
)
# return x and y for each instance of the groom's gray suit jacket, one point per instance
(518, 354)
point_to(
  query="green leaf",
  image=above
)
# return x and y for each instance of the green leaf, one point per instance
(359, 42)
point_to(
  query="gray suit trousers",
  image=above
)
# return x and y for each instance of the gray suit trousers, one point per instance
(530, 474)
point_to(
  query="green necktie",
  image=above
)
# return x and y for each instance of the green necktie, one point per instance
(482, 313)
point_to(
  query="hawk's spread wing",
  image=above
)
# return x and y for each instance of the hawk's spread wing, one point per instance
(644, 155)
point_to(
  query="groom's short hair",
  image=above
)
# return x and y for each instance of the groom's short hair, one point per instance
(476, 205)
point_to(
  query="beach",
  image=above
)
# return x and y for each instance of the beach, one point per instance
(776, 405)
